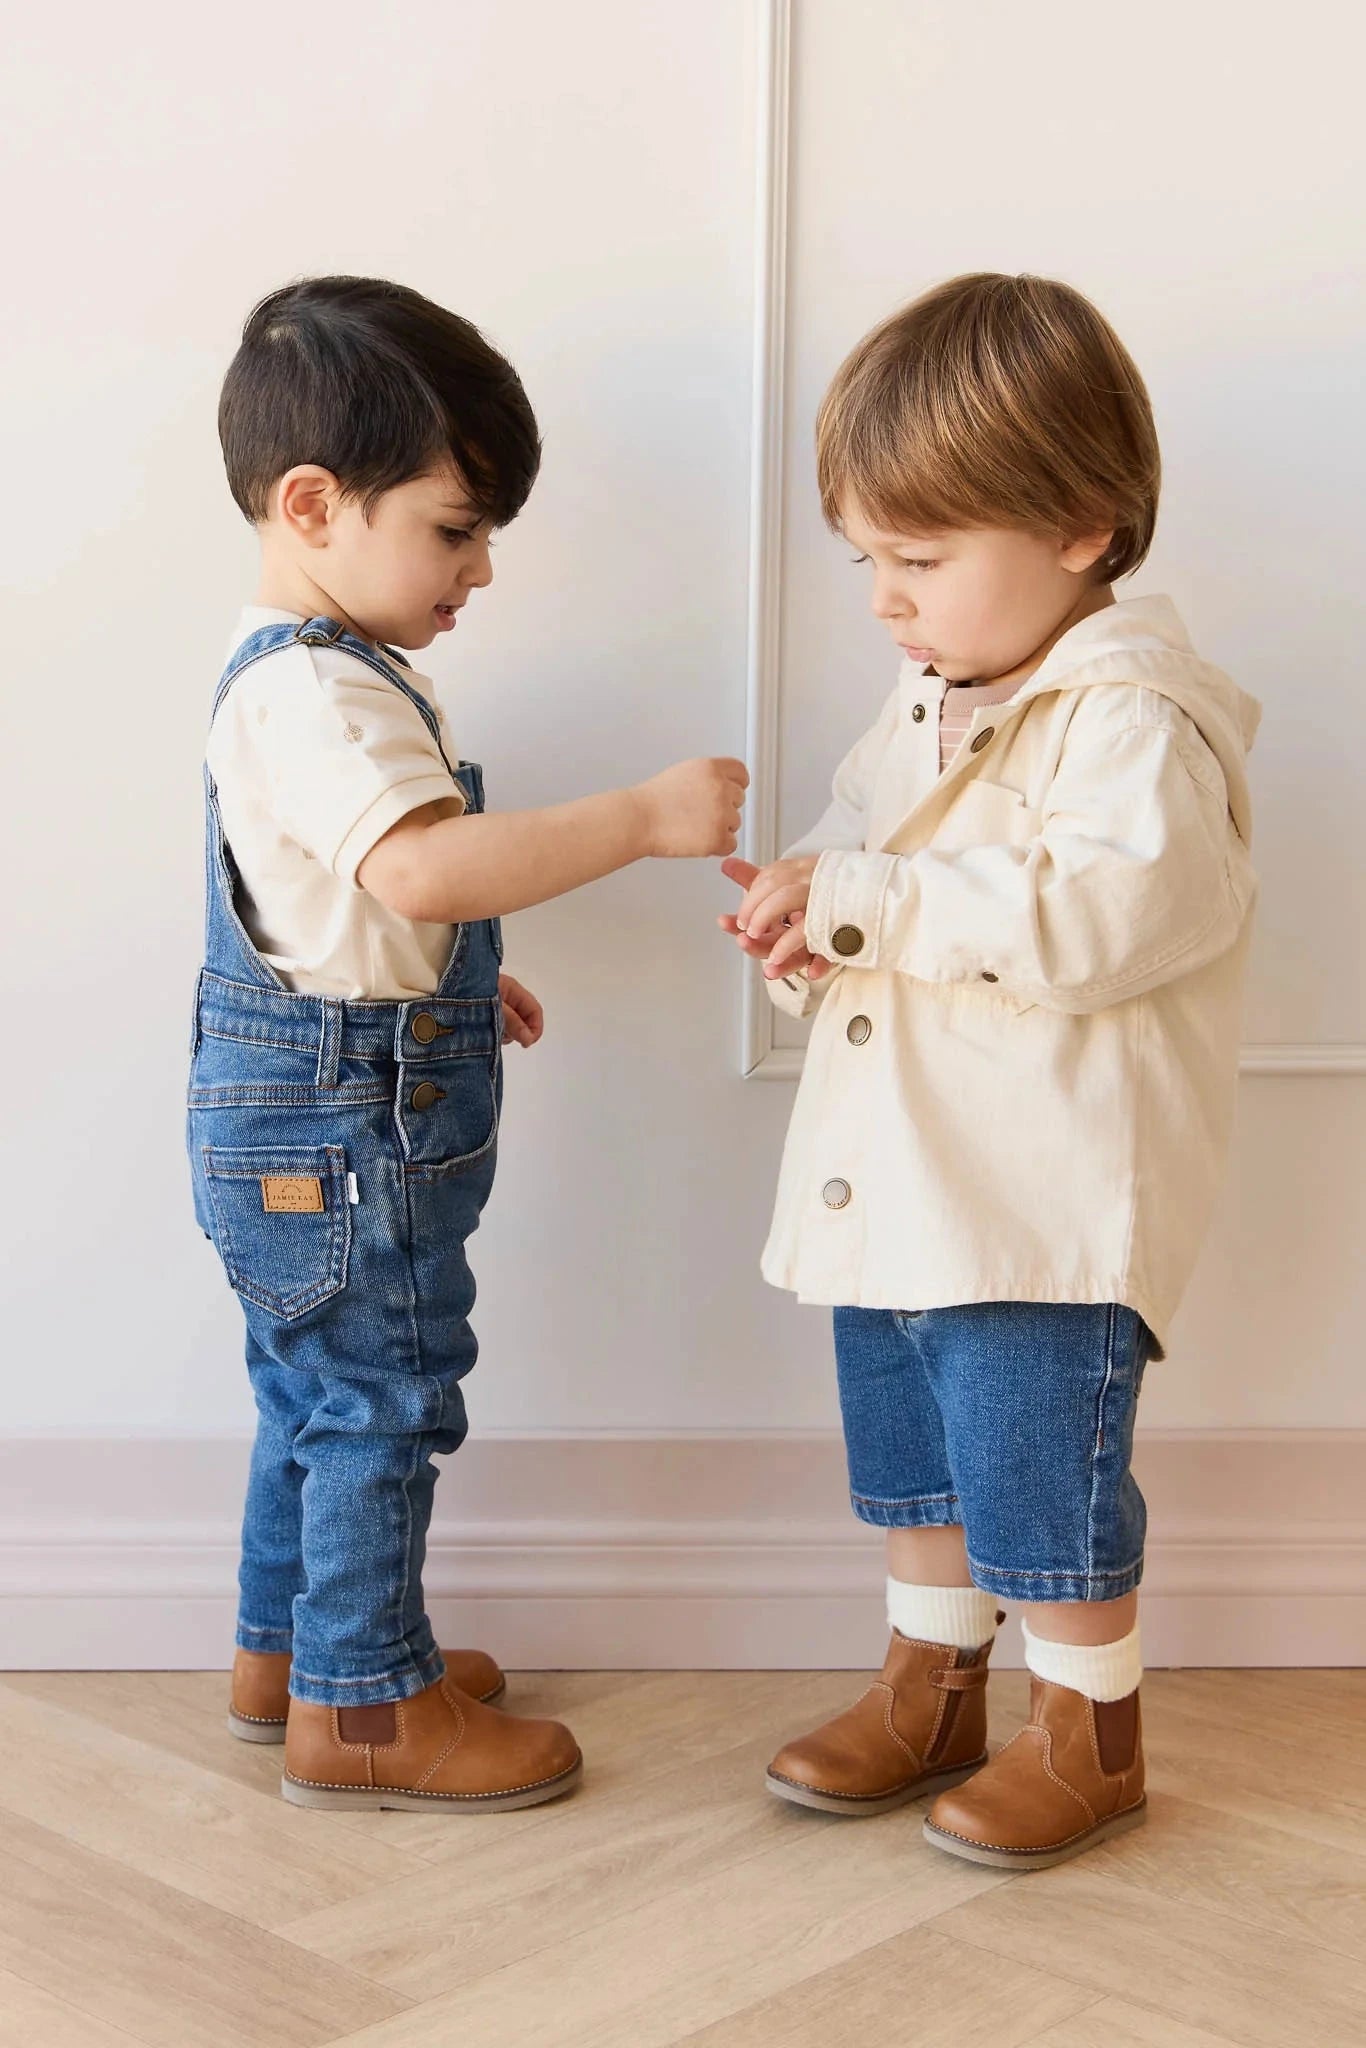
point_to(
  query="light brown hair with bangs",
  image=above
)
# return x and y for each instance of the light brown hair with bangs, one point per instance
(994, 401)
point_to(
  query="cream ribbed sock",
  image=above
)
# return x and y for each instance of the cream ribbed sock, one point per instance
(961, 1615)
(1099, 1671)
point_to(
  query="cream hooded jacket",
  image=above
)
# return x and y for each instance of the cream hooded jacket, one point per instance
(1020, 1080)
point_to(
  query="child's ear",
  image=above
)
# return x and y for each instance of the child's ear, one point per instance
(1083, 553)
(306, 501)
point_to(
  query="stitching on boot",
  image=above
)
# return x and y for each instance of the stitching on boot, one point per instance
(1041, 1848)
(454, 1742)
(887, 1722)
(1082, 1802)
(470, 1798)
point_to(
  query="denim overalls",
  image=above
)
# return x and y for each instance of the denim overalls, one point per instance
(341, 1155)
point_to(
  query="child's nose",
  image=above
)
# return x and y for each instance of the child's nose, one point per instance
(479, 568)
(889, 603)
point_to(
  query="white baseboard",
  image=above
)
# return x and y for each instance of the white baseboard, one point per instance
(667, 1552)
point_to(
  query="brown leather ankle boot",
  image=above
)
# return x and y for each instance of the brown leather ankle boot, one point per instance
(1071, 1777)
(439, 1750)
(919, 1727)
(260, 1689)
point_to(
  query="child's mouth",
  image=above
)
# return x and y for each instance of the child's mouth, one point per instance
(445, 617)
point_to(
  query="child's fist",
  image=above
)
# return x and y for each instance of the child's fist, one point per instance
(523, 1017)
(693, 809)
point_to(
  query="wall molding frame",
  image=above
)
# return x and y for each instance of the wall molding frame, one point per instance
(760, 1058)
(665, 1552)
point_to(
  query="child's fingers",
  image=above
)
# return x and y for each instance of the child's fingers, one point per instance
(789, 950)
(742, 871)
(779, 905)
(819, 967)
(759, 947)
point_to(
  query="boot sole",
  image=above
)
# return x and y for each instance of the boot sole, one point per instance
(1038, 1859)
(852, 1808)
(372, 1798)
(274, 1731)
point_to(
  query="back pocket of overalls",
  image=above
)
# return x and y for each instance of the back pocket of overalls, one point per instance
(282, 1222)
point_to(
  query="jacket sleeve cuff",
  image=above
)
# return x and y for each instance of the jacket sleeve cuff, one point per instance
(845, 911)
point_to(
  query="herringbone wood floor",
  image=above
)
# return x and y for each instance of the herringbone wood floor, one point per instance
(157, 1890)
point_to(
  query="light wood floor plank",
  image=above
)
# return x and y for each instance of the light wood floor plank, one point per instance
(1212, 1862)
(148, 1958)
(709, 1949)
(1206, 1969)
(609, 1849)
(30, 2018)
(604, 1856)
(671, 1900)
(1111, 2023)
(176, 1821)
(940, 1990)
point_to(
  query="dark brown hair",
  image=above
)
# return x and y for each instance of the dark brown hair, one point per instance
(377, 384)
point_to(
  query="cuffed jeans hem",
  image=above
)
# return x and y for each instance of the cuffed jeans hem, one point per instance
(263, 1640)
(925, 1511)
(1071, 1586)
(367, 1692)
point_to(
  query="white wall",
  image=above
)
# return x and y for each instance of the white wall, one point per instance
(580, 182)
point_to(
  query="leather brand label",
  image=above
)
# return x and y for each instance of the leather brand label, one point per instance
(289, 1196)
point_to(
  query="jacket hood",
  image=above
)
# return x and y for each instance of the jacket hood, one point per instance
(1141, 640)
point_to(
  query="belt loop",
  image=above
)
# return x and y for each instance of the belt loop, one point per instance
(329, 1043)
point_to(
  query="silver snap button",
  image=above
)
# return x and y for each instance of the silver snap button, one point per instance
(983, 739)
(990, 977)
(837, 1194)
(847, 941)
(859, 1030)
(918, 713)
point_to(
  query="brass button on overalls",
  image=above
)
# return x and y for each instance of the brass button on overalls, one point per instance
(424, 1027)
(425, 1095)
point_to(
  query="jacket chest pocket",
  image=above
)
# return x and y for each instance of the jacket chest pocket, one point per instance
(447, 1111)
(985, 813)
(281, 1217)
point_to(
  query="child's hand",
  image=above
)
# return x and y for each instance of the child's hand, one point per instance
(770, 932)
(693, 809)
(523, 1017)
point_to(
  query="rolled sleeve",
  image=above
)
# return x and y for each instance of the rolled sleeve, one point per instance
(346, 755)
(844, 916)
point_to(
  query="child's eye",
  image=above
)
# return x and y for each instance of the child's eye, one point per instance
(911, 562)
(858, 558)
(455, 534)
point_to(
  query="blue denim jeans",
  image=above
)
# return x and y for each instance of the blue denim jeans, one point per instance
(341, 1154)
(1012, 1419)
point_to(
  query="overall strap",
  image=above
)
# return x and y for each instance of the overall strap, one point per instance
(323, 632)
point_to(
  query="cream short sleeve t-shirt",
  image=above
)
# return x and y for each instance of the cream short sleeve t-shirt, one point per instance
(315, 757)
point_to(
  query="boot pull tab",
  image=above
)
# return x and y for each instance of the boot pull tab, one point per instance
(963, 1678)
